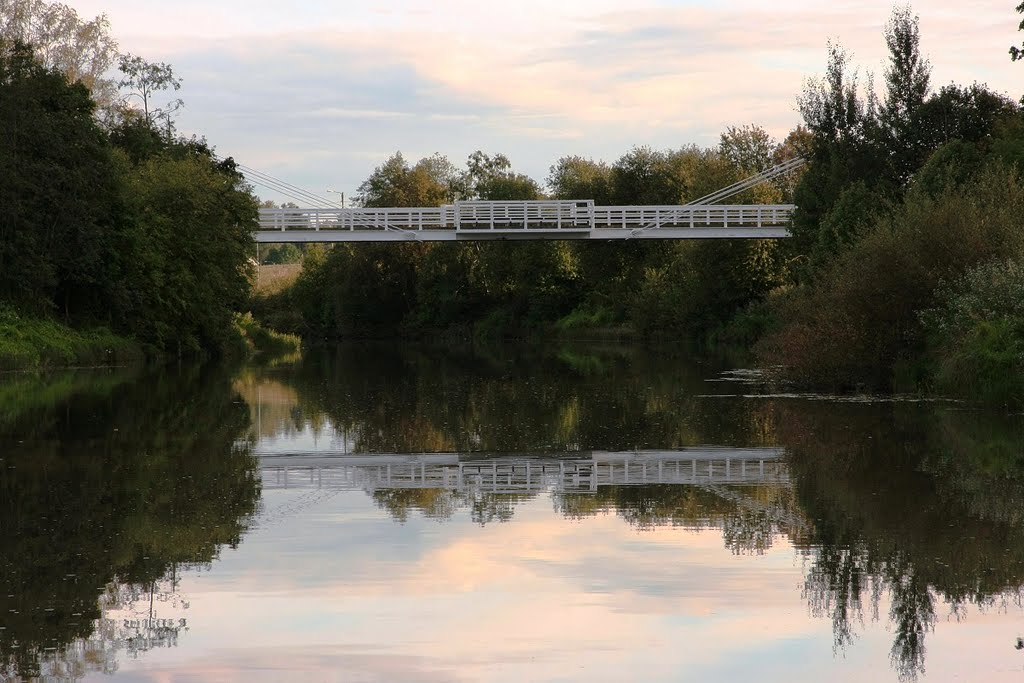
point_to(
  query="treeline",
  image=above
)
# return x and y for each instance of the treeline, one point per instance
(109, 218)
(657, 288)
(903, 271)
(909, 235)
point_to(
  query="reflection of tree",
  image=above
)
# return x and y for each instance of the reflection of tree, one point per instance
(916, 503)
(390, 399)
(749, 517)
(907, 501)
(442, 504)
(115, 487)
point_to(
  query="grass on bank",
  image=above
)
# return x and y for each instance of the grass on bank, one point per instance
(256, 340)
(39, 343)
(35, 344)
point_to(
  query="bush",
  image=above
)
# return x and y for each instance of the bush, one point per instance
(976, 334)
(860, 320)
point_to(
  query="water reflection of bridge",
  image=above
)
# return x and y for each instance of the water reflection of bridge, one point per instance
(577, 473)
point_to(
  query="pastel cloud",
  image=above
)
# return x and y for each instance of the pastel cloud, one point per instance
(320, 92)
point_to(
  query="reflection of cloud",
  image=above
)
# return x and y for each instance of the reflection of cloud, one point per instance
(339, 592)
(534, 591)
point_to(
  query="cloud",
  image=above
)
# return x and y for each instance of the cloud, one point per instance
(317, 92)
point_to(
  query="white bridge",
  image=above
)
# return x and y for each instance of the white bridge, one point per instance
(582, 473)
(541, 219)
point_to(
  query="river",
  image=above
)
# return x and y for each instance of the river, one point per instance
(576, 513)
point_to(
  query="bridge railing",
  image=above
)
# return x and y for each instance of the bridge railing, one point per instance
(715, 216)
(546, 215)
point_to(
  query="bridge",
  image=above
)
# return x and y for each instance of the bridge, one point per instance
(524, 474)
(529, 220)
(547, 219)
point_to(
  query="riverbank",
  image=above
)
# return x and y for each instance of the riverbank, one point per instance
(32, 344)
(41, 344)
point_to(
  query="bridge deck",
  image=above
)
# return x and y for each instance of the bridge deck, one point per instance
(554, 219)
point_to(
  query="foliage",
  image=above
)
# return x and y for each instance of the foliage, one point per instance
(703, 284)
(860, 321)
(749, 148)
(60, 192)
(145, 79)
(258, 340)
(150, 241)
(492, 178)
(279, 254)
(1018, 52)
(907, 80)
(188, 253)
(577, 178)
(431, 182)
(899, 196)
(976, 333)
(83, 51)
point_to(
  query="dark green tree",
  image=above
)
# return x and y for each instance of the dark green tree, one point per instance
(60, 191)
(907, 79)
(187, 255)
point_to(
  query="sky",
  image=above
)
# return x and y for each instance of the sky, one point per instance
(319, 93)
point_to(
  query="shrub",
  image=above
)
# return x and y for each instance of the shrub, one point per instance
(976, 334)
(860, 320)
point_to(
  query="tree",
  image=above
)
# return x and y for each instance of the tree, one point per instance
(1018, 52)
(642, 176)
(144, 79)
(83, 51)
(842, 123)
(431, 182)
(492, 178)
(832, 107)
(574, 177)
(907, 83)
(186, 257)
(748, 148)
(60, 191)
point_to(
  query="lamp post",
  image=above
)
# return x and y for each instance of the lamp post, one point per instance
(342, 196)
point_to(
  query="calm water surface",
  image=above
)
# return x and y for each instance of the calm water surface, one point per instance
(590, 514)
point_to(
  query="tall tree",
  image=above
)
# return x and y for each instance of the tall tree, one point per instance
(59, 191)
(1018, 52)
(841, 119)
(492, 178)
(144, 80)
(82, 50)
(907, 79)
(832, 107)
